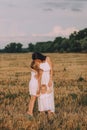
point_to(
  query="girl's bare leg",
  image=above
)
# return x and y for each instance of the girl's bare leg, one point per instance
(31, 105)
(50, 113)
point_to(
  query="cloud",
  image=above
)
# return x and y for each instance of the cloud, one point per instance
(48, 9)
(80, 0)
(74, 5)
(75, 9)
(57, 31)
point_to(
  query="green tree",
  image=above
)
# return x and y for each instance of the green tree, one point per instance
(56, 45)
(79, 35)
(19, 47)
(11, 48)
(75, 46)
(84, 44)
(73, 35)
(31, 47)
(43, 46)
(65, 45)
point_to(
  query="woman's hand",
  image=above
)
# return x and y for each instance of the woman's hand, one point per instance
(38, 93)
(50, 83)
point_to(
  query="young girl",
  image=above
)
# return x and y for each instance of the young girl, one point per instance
(34, 88)
(45, 90)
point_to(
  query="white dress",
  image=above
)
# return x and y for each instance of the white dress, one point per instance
(46, 101)
(33, 84)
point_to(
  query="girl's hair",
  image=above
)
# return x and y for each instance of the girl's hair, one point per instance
(37, 55)
(34, 66)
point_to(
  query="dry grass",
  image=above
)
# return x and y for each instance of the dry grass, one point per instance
(70, 88)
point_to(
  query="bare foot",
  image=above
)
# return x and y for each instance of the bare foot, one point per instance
(51, 116)
(29, 113)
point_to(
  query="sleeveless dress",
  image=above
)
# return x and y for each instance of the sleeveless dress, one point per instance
(46, 101)
(33, 84)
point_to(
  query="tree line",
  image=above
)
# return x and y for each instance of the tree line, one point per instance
(77, 42)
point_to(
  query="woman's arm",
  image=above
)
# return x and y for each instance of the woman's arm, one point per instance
(39, 79)
(51, 71)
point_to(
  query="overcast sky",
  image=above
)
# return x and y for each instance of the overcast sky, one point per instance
(28, 21)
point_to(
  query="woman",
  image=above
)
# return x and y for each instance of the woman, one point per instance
(45, 100)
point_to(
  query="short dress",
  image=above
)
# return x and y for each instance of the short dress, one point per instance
(46, 101)
(33, 84)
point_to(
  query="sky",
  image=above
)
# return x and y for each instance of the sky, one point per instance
(27, 21)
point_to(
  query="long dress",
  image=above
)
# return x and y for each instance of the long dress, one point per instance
(46, 101)
(33, 84)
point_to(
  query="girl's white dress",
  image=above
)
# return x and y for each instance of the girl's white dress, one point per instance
(46, 101)
(33, 84)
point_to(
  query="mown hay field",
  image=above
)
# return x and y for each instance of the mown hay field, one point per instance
(70, 93)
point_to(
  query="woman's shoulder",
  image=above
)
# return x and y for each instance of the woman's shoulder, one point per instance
(48, 59)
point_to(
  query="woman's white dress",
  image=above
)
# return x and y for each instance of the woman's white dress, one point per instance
(33, 84)
(46, 101)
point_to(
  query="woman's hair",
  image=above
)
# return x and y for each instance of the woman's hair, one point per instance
(34, 66)
(37, 55)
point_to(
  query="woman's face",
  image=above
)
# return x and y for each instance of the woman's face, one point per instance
(38, 61)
